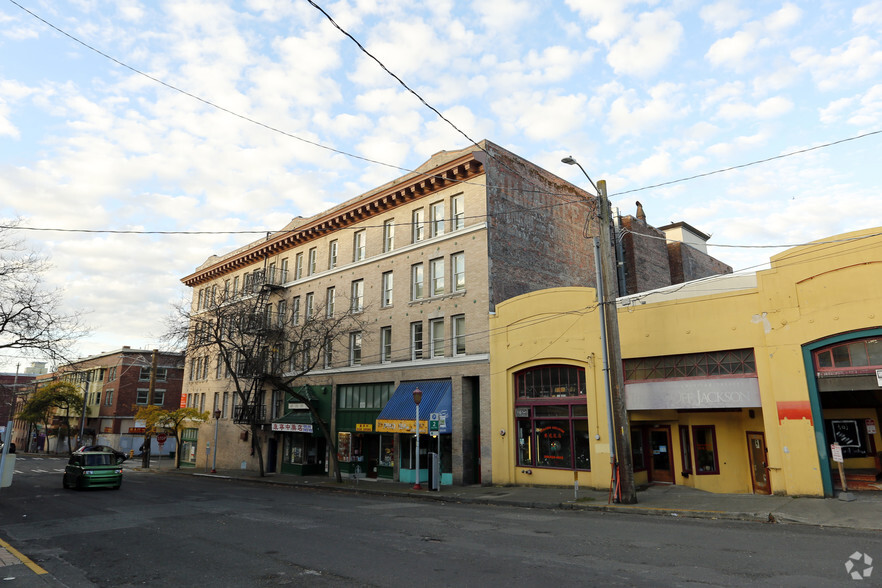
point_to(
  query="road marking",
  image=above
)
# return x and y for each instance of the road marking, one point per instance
(22, 558)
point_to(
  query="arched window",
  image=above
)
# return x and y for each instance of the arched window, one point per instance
(552, 417)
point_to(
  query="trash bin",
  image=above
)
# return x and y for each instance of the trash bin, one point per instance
(434, 472)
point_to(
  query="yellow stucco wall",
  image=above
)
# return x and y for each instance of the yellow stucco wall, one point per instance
(810, 293)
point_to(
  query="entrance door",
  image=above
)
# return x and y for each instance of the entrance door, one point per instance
(756, 449)
(661, 461)
(272, 452)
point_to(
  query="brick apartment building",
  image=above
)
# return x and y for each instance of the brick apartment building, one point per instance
(424, 259)
(115, 386)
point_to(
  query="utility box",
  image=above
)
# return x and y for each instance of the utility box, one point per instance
(434, 472)
(8, 470)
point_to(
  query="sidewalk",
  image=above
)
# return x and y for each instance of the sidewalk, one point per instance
(864, 512)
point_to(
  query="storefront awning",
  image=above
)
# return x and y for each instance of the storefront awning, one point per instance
(295, 422)
(399, 414)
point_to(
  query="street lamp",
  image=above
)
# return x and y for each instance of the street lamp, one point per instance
(622, 479)
(217, 415)
(417, 396)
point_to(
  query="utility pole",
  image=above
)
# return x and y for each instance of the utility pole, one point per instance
(145, 458)
(614, 352)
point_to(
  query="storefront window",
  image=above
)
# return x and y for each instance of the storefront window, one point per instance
(705, 443)
(865, 354)
(550, 381)
(553, 436)
(387, 450)
(553, 444)
(525, 442)
(638, 453)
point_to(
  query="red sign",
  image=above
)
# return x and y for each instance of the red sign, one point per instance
(161, 438)
(183, 401)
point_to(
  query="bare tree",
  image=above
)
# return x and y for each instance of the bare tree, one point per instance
(260, 349)
(31, 318)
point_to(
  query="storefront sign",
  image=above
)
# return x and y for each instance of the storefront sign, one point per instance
(183, 400)
(292, 427)
(685, 394)
(136, 430)
(390, 426)
(364, 427)
(871, 426)
(297, 406)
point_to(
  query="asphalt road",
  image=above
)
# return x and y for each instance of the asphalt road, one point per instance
(172, 530)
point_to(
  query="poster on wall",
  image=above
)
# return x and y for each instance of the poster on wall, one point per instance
(849, 434)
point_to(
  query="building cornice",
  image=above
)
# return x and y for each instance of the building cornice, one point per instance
(395, 194)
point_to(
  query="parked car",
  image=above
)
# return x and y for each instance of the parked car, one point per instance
(93, 469)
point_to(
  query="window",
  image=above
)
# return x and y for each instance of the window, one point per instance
(225, 404)
(332, 254)
(364, 396)
(218, 370)
(330, 300)
(457, 268)
(436, 331)
(278, 400)
(215, 407)
(310, 267)
(108, 397)
(419, 224)
(235, 286)
(111, 374)
(685, 449)
(199, 299)
(436, 220)
(638, 450)
(553, 436)
(457, 213)
(459, 344)
(141, 397)
(298, 266)
(387, 289)
(416, 340)
(144, 375)
(704, 440)
(355, 348)
(388, 235)
(357, 299)
(416, 273)
(282, 315)
(358, 246)
(329, 353)
(550, 381)
(736, 362)
(864, 355)
(227, 286)
(386, 344)
(295, 310)
(436, 271)
(310, 305)
(283, 277)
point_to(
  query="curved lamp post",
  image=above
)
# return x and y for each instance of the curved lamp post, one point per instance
(417, 396)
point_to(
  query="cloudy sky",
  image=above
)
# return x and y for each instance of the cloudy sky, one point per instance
(641, 93)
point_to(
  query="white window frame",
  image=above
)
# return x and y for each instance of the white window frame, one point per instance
(417, 344)
(436, 279)
(457, 272)
(388, 235)
(385, 344)
(332, 254)
(457, 212)
(359, 246)
(436, 342)
(310, 305)
(417, 282)
(310, 266)
(387, 289)
(436, 219)
(330, 301)
(355, 342)
(298, 266)
(357, 298)
(295, 310)
(457, 326)
(418, 218)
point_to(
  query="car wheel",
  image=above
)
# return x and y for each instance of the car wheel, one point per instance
(116, 487)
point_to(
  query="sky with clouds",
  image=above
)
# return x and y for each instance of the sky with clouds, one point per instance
(641, 93)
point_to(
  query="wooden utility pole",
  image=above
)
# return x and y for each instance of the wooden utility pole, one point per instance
(614, 353)
(145, 458)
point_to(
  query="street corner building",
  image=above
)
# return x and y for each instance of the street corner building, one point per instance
(421, 264)
(739, 383)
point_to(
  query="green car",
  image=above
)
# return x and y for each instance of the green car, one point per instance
(93, 469)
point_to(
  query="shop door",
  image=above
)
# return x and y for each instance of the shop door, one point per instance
(661, 461)
(756, 449)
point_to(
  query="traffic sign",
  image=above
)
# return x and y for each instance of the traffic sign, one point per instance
(161, 438)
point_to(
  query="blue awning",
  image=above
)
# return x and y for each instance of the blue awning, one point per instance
(399, 414)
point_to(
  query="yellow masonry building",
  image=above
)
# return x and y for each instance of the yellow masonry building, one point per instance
(735, 384)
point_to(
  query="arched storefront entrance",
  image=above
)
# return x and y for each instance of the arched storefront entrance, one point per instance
(846, 403)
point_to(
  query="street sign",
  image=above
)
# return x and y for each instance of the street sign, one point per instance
(161, 438)
(837, 452)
